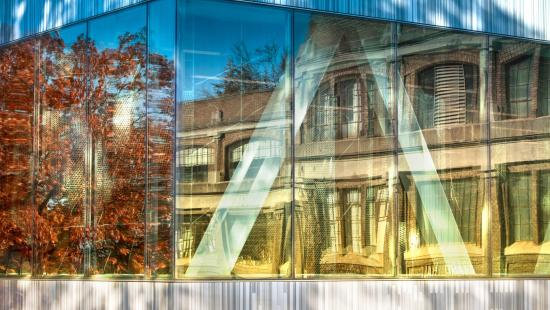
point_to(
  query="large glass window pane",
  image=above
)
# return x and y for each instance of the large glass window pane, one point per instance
(17, 76)
(519, 156)
(233, 141)
(61, 175)
(344, 147)
(160, 136)
(117, 150)
(442, 152)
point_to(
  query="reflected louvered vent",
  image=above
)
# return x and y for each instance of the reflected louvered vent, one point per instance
(450, 95)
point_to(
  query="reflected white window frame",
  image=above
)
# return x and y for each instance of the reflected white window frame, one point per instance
(320, 125)
(267, 148)
(348, 120)
(193, 158)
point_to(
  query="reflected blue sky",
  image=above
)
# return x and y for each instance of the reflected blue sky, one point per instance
(301, 30)
(209, 31)
(104, 31)
(70, 35)
(162, 27)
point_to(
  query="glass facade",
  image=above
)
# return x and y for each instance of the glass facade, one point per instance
(442, 156)
(232, 209)
(519, 127)
(61, 136)
(344, 148)
(208, 139)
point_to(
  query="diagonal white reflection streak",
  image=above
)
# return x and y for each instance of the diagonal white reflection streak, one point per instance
(420, 161)
(244, 198)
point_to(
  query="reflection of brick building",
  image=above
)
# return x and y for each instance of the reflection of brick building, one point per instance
(345, 154)
(520, 159)
(517, 108)
(211, 142)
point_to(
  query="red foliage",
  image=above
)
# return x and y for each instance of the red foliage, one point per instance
(85, 132)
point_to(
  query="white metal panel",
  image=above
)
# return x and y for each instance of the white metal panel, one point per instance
(375, 294)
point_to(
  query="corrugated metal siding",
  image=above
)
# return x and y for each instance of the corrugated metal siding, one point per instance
(20, 18)
(472, 294)
(525, 18)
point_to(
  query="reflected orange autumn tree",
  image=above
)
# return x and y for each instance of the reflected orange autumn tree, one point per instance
(87, 123)
(16, 108)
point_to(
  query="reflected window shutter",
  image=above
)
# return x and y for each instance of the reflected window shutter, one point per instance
(450, 95)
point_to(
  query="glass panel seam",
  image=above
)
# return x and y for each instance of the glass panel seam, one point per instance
(146, 262)
(396, 189)
(488, 103)
(292, 152)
